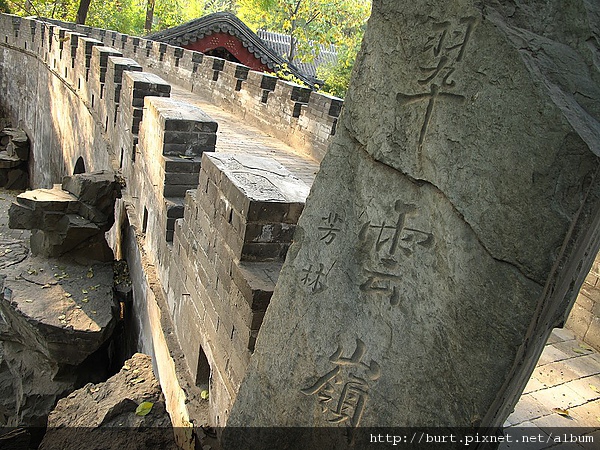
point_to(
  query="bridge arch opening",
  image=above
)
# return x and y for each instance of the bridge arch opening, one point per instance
(79, 166)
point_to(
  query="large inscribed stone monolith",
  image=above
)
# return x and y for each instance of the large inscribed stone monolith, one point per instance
(450, 226)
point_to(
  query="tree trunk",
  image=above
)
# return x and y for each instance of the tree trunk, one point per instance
(292, 54)
(149, 15)
(82, 11)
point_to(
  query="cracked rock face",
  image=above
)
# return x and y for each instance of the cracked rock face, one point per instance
(56, 316)
(63, 309)
(449, 226)
(104, 415)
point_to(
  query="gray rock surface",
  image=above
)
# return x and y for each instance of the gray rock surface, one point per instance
(17, 144)
(63, 309)
(14, 153)
(450, 225)
(104, 415)
(30, 385)
(55, 319)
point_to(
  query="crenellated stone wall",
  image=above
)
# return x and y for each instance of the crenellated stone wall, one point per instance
(231, 244)
(303, 119)
(204, 236)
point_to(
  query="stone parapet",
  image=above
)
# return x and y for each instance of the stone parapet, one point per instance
(231, 242)
(304, 121)
(584, 319)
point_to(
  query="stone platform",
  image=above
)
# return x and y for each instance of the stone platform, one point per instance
(563, 392)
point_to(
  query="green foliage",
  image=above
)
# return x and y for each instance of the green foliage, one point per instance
(283, 72)
(55, 9)
(213, 6)
(144, 409)
(336, 77)
(4, 7)
(308, 23)
(124, 16)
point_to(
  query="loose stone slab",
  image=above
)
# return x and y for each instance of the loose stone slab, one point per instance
(448, 230)
(65, 309)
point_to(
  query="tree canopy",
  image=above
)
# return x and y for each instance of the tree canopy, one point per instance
(308, 23)
(125, 16)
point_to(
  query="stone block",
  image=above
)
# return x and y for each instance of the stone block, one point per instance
(271, 232)
(99, 59)
(264, 251)
(175, 207)
(259, 188)
(178, 116)
(591, 291)
(181, 165)
(176, 190)
(592, 337)
(256, 282)
(116, 65)
(138, 85)
(528, 409)
(92, 187)
(49, 200)
(579, 321)
(9, 162)
(189, 179)
(21, 217)
(263, 80)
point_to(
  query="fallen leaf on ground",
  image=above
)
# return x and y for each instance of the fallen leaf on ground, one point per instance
(143, 409)
(562, 412)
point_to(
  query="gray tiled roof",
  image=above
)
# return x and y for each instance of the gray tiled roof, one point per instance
(264, 49)
(280, 43)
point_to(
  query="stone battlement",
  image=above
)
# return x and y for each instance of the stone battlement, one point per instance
(293, 113)
(204, 236)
